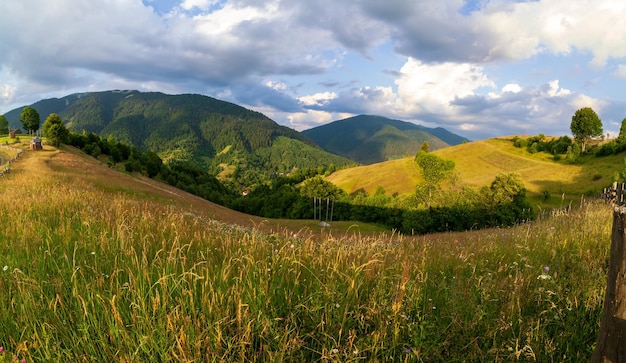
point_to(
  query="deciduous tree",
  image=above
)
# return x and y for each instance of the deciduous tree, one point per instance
(54, 130)
(585, 125)
(30, 119)
(4, 125)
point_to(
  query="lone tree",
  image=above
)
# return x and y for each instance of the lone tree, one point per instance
(585, 126)
(434, 171)
(54, 130)
(30, 119)
(4, 125)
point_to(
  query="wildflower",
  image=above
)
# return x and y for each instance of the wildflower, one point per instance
(407, 351)
(1, 349)
(335, 351)
(291, 246)
(5, 268)
(544, 277)
(546, 268)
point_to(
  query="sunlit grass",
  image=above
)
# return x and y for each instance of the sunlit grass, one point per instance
(477, 164)
(104, 274)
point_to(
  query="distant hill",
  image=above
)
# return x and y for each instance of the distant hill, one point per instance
(226, 138)
(477, 163)
(372, 139)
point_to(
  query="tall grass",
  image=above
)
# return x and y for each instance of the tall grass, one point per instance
(88, 274)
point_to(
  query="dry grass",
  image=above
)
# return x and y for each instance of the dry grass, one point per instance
(101, 266)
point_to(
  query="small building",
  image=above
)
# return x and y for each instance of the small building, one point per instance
(13, 133)
(35, 144)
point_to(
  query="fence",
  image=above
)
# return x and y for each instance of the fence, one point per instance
(6, 168)
(615, 194)
(611, 342)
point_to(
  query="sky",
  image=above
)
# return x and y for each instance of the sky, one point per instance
(479, 68)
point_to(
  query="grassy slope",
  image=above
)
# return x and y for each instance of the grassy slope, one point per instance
(477, 163)
(396, 176)
(72, 163)
(101, 266)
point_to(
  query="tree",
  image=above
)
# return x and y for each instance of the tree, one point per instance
(621, 138)
(434, 171)
(4, 125)
(434, 168)
(425, 146)
(30, 119)
(506, 199)
(54, 130)
(585, 125)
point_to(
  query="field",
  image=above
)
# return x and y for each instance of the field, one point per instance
(477, 163)
(101, 266)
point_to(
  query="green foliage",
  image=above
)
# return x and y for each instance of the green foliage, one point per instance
(317, 187)
(425, 147)
(612, 147)
(4, 125)
(585, 125)
(30, 119)
(573, 153)
(620, 176)
(434, 169)
(54, 130)
(621, 138)
(539, 143)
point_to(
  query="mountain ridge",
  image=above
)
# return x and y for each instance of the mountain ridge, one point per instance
(218, 135)
(369, 139)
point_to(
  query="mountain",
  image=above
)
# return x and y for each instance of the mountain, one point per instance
(372, 139)
(226, 138)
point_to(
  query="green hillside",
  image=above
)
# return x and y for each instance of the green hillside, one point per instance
(102, 266)
(478, 162)
(223, 137)
(372, 139)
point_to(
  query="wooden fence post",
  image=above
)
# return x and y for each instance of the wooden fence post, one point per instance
(611, 346)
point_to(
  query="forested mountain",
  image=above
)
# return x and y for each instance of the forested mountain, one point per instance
(372, 139)
(225, 138)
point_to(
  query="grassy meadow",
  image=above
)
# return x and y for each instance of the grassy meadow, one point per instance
(100, 266)
(477, 163)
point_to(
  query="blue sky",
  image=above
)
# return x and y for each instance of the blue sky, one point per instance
(481, 69)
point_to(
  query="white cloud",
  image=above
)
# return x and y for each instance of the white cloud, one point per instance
(318, 99)
(7, 94)
(430, 88)
(512, 87)
(200, 4)
(581, 100)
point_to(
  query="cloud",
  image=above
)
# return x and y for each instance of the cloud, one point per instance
(452, 63)
(442, 31)
(430, 88)
(257, 95)
(7, 94)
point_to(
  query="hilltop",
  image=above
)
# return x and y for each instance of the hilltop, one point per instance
(478, 162)
(371, 139)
